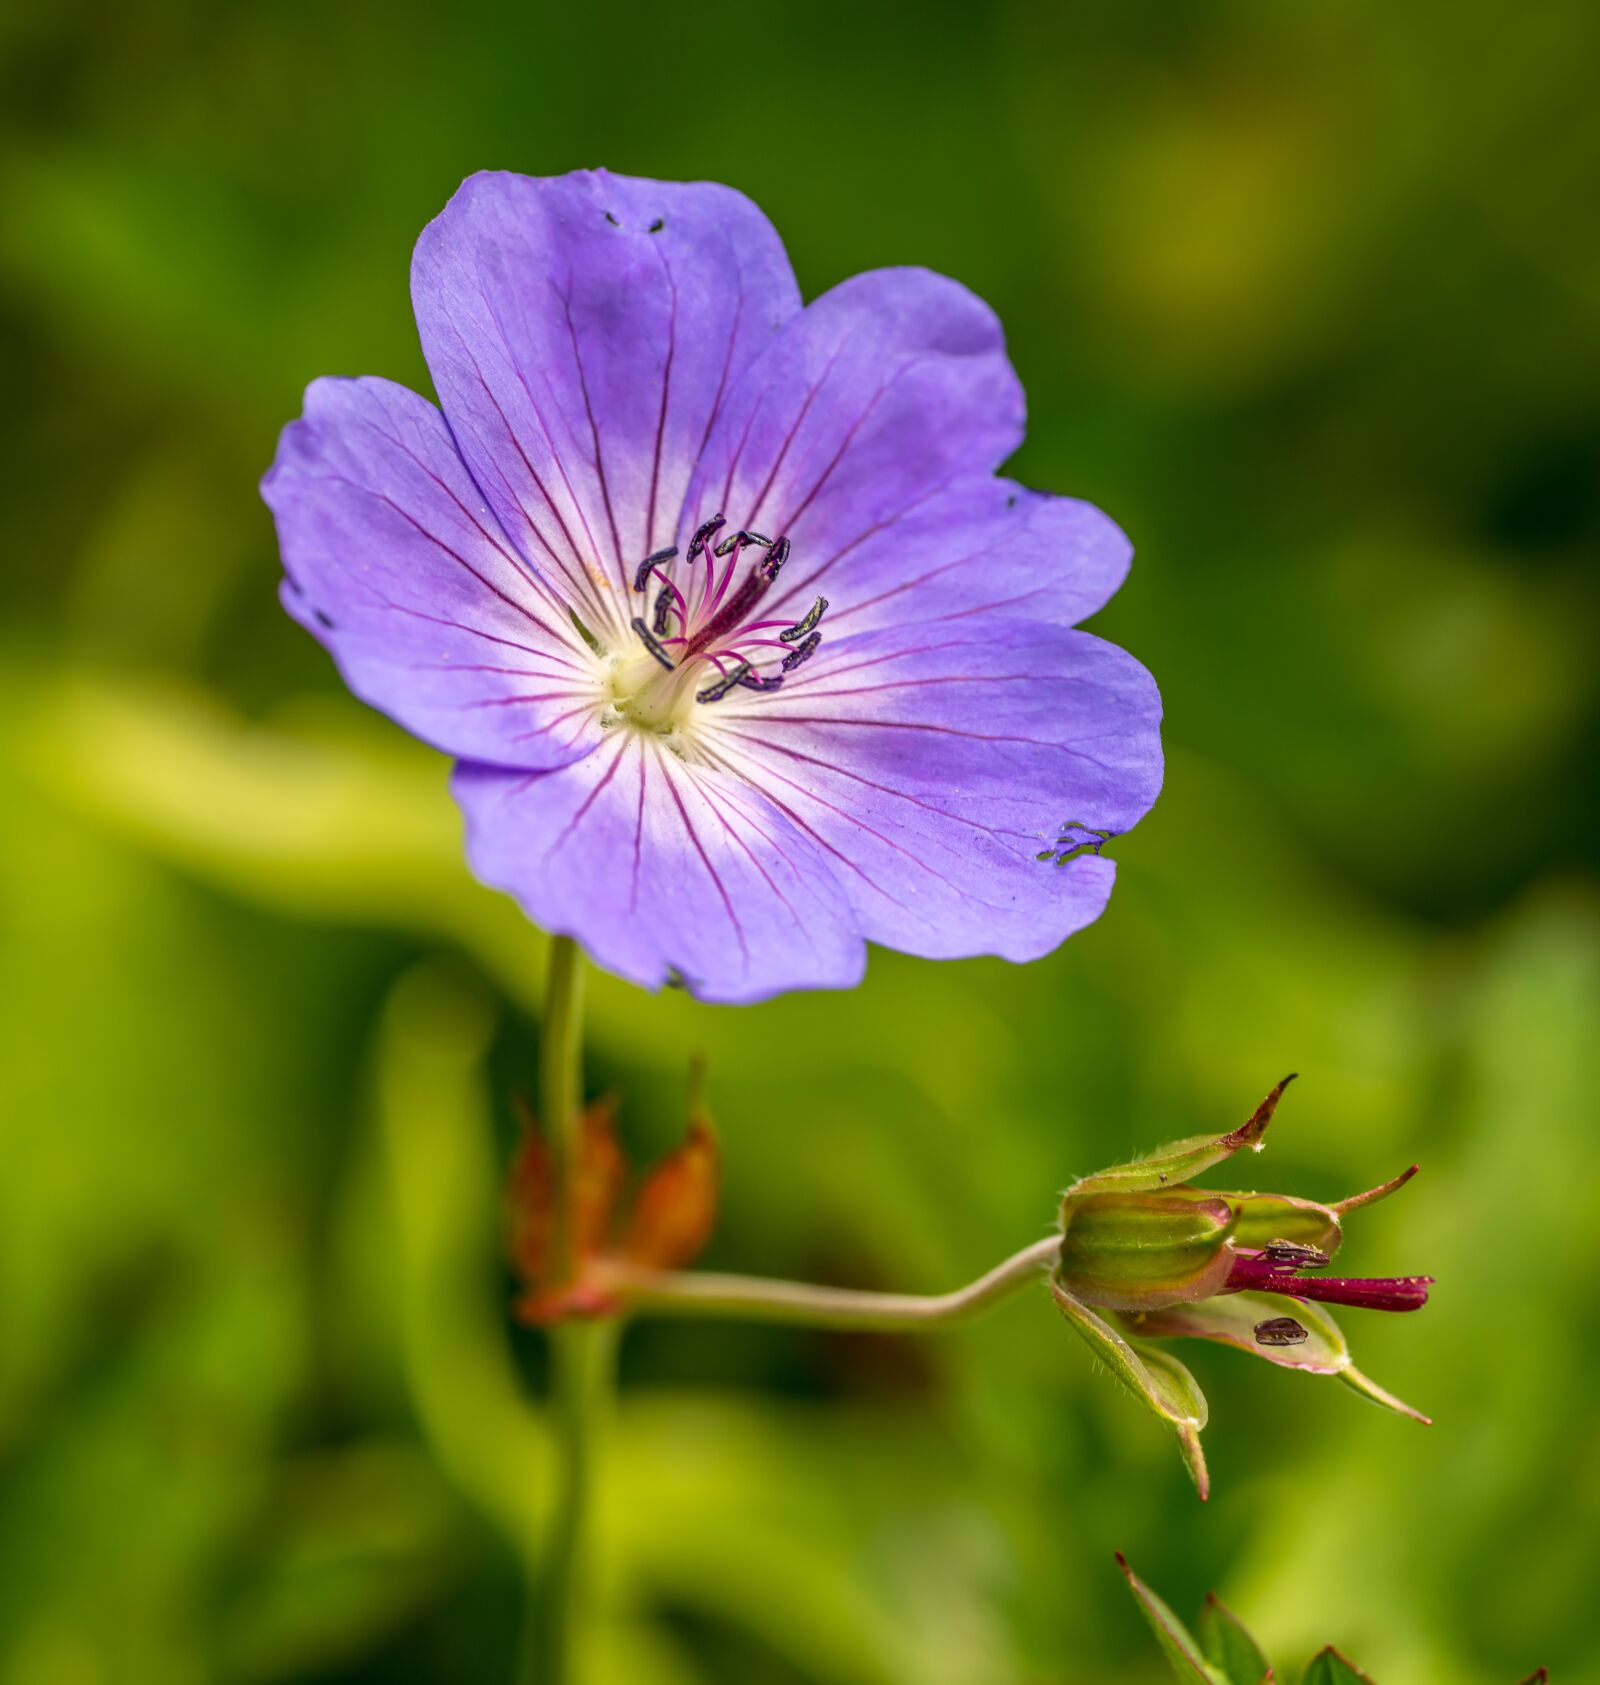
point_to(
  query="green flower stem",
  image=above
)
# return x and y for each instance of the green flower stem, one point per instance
(752, 1299)
(561, 1078)
(580, 1353)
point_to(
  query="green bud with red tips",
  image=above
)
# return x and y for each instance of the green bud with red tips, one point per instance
(1167, 1259)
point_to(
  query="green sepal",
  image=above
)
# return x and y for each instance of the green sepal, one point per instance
(1176, 1164)
(1130, 1251)
(1328, 1667)
(1264, 1218)
(1178, 1645)
(1231, 1318)
(1153, 1376)
(1227, 1644)
(1357, 1202)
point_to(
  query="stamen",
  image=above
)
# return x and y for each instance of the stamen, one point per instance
(752, 680)
(652, 643)
(731, 551)
(1295, 1255)
(774, 560)
(716, 692)
(1253, 1272)
(802, 627)
(664, 606)
(804, 653)
(742, 537)
(736, 610)
(723, 608)
(702, 533)
(650, 564)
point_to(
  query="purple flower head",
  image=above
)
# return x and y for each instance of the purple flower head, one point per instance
(745, 654)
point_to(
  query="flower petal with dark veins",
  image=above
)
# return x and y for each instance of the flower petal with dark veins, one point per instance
(391, 561)
(927, 763)
(660, 871)
(583, 333)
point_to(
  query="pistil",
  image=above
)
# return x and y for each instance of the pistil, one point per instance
(1260, 1272)
(713, 623)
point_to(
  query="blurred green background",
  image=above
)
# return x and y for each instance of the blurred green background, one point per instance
(1306, 296)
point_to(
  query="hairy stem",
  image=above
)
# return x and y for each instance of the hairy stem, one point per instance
(752, 1299)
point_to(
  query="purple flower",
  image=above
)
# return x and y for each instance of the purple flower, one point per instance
(745, 655)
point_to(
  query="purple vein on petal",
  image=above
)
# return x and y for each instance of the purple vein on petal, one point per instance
(549, 433)
(520, 565)
(579, 582)
(588, 802)
(594, 432)
(454, 555)
(666, 387)
(712, 872)
(793, 520)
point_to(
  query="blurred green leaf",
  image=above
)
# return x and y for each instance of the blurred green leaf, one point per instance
(1328, 1667)
(1226, 1643)
(1187, 1659)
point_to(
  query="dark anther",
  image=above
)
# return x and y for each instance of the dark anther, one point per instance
(1280, 1331)
(658, 225)
(1011, 502)
(652, 643)
(752, 680)
(802, 627)
(801, 653)
(324, 620)
(774, 559)
(663, 609)
(716, 692)
(741, 537)
(1296, 1256)
(703, 533)
(650, 563)
(612, 220)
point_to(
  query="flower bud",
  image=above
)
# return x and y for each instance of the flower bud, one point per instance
(1134, 1252)
(1168, 1259)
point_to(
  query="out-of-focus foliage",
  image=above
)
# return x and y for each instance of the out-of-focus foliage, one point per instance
(1221, 1651)
(1307, 297)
